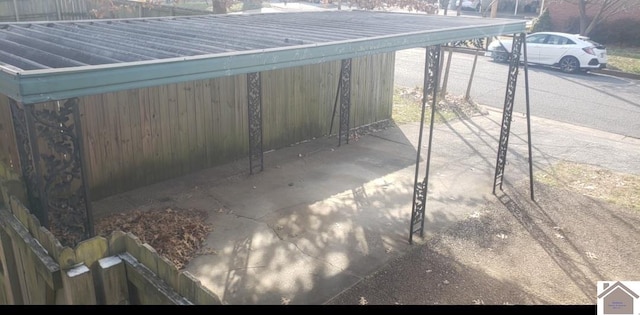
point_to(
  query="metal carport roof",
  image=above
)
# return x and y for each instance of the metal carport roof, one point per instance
(45, 61)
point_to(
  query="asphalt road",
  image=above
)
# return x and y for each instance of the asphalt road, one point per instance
(592, 100)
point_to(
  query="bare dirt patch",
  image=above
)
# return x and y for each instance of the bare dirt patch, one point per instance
(618, 188)
(407, 107)
(515, 251)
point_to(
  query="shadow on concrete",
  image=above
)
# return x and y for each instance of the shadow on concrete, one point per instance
(318, 219)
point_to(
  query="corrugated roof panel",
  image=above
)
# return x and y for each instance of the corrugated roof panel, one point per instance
(79, 44)
(82, 56)
(37, 55)
(74, 58)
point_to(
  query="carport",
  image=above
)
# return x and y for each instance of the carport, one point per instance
(60, 61)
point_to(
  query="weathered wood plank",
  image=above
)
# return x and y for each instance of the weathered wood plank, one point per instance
(10, 269)
(165, 131)
(168, 272)
(200, 109)
(207, 122)
(156, 291)
(240, 135)
(112, 282)
(79, 288)
(297, 104)
(3, 295)
(50, 243)
(19, 211)
(187, 285)
(44, 265)
(183, 128)
(34, 227)
(127, 151)
(149, 257)
(133, 244)
(147, 163)
(192, 131)
(13, 188)
(217, 153)
(110, 157)
(67, 258)
(9, 162)
(33, 287)
(157, 149)
(191, 288)
(133, 121)
(204, 296)
(86, 136)
(88, 252)
(117, 243)
(88, 107)
(174, 126)
(21, 261)
(267, 107)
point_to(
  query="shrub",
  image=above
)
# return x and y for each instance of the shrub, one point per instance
(622, 32)
(542, 23)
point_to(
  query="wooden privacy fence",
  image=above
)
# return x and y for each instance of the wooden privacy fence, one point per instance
(137, 137)
(36, 269)
(58, 10)
(8, 154)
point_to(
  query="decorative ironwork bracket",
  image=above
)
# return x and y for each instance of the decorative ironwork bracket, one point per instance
(431, 79)
(29, 173)
(503, 144)
(254, 96)
(474, 43)
(49, 138)
(345, 101)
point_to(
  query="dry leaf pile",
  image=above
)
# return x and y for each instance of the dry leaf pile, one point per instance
(177, 234)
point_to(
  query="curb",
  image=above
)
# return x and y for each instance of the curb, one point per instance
(615, 73)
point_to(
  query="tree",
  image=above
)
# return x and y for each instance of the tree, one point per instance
(601, 10)
(542, 23)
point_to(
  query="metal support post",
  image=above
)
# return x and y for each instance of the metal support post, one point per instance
(507, 113)
(431, 79)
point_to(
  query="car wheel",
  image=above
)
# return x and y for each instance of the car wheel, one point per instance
(569, 64)
(500, 57)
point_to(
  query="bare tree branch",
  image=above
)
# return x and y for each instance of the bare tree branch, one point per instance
(604, 9)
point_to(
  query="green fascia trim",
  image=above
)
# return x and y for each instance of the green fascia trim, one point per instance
(10, 84)
(55, 84)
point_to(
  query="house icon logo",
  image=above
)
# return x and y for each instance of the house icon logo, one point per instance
(620, 297)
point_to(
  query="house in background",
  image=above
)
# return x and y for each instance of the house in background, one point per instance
(564, 15)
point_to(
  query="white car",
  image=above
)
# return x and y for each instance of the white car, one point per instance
(569, 52)
(470, 5)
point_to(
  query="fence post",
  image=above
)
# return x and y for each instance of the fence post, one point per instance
(112, 280)
(78, 286)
